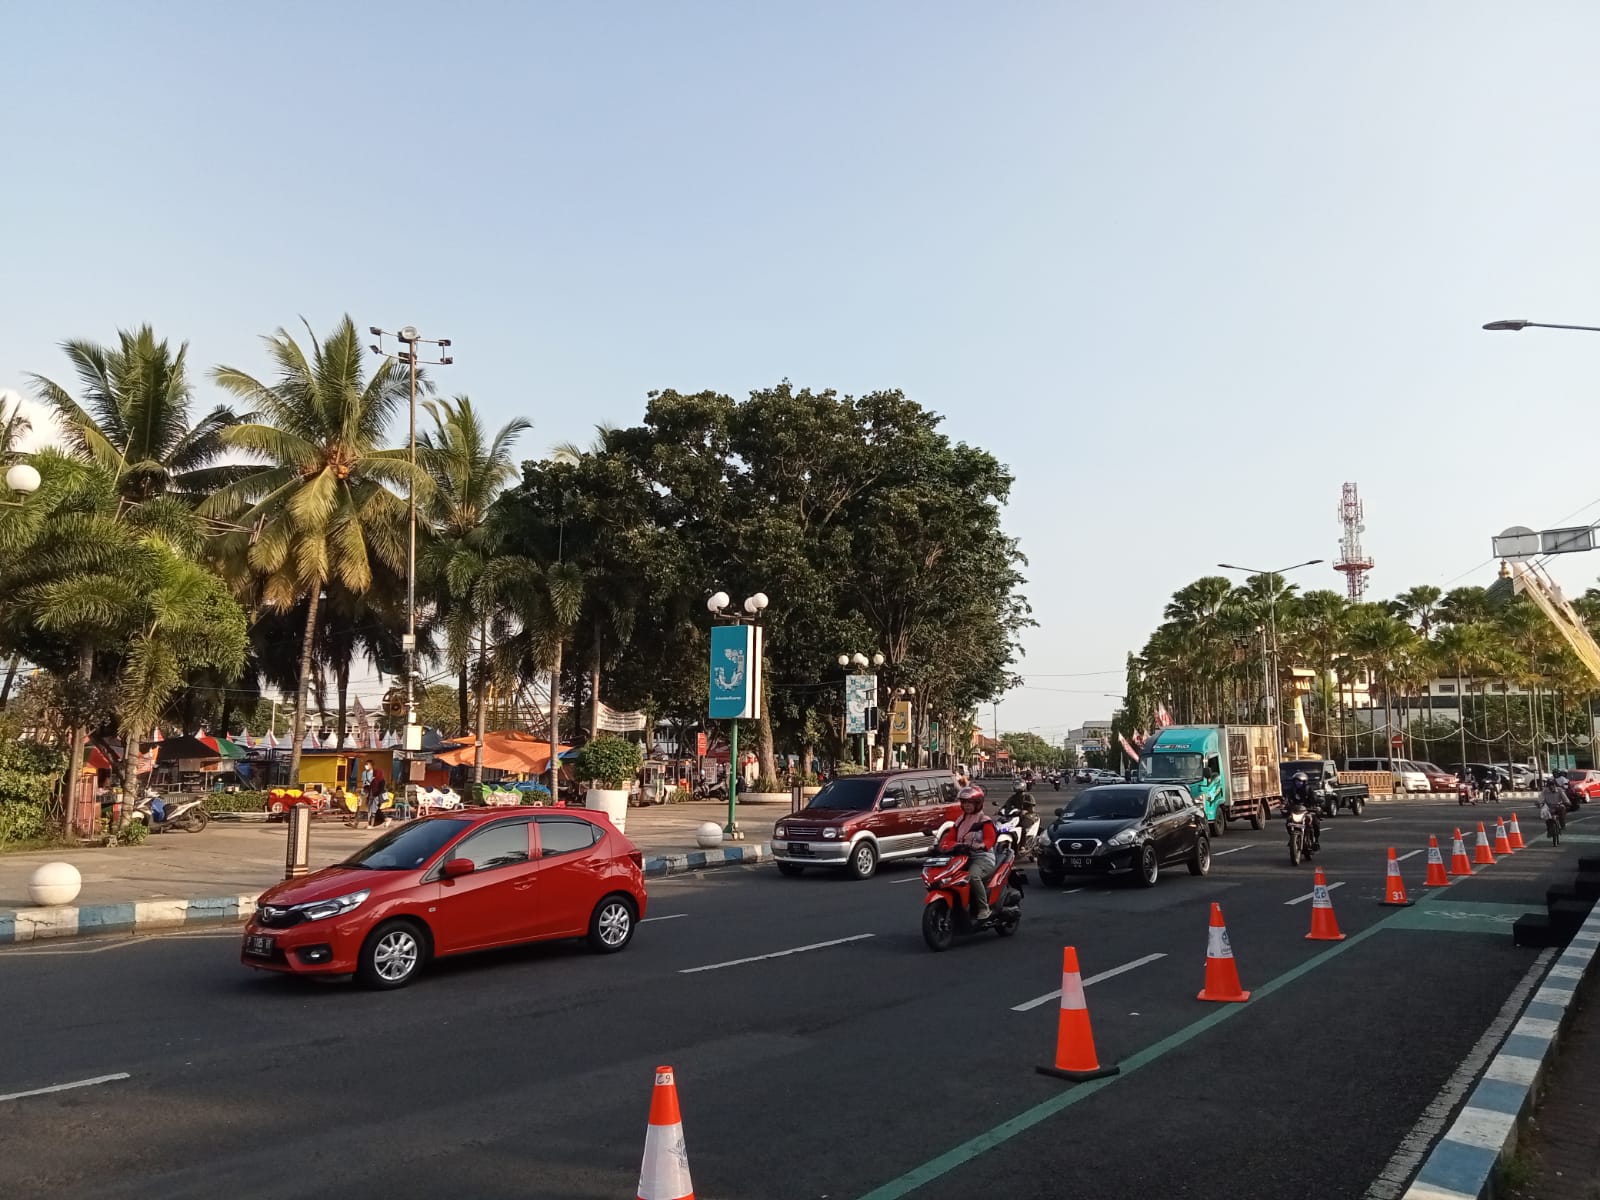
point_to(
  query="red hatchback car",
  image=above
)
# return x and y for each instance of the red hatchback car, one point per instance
(450, 884)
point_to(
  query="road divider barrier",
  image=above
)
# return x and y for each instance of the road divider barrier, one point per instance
(1502, 842)
(1394, 886)
(1460, 863)
(1222, 973)
(1075, 1056)
(1482, 856)
(1436, 873)
(1516, 834)
(1324, 925)
(664, 1174)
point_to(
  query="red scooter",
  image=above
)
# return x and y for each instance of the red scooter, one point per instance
(947, 911)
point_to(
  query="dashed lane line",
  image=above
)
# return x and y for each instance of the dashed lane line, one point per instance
(1089, 982)
(66, 1087)
(1308, 895)
(739, 962)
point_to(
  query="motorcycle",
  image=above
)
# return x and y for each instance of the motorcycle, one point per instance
(160, 815)
(946, 911)
(1302, 832)
(1018, 824)
(1464, 795)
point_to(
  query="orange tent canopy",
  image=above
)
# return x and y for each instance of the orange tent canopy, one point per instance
(504, 750)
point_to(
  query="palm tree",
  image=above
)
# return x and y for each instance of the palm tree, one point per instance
(1322, 619)
(1379, 642)
(134, 418)
(469, 469)
(1462, 647)
(1421, 604)
(317, 493)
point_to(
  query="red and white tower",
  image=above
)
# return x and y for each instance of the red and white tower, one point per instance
(1352, 561)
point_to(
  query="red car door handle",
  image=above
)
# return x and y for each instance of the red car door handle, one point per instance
(524, 886)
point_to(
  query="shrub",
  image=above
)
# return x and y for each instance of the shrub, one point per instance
(608, 762)
(232, 802)
(134, 833)
(767, 784)
(809, 779)
(21, 820)
(679, 795)
(848, 769)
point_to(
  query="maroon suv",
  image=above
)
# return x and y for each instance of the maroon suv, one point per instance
(858, 821)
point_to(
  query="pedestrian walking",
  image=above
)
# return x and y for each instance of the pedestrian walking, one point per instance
(375, 790)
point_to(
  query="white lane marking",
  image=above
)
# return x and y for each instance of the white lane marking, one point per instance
(1308, 895)
(67, 1087)
(1072, 891)
(909, 879)
(1410, 854)
(668, 917)
(1392, 1180)
(25, 950)
(1375, 820)
(1089, 982)
(1230, 850)
(739, 962)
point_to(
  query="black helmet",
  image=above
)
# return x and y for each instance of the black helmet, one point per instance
(1301, 777)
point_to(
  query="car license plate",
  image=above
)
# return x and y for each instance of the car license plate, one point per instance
(258, 945)
(1079, 863)
(801, 848)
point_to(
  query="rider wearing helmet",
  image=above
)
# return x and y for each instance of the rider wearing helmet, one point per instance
(1300, 793)
(975, 833)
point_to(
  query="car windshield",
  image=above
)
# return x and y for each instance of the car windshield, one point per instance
(407, 847)
(1313, 770)
(1171, 766)
(846, 795)
(1107, 804)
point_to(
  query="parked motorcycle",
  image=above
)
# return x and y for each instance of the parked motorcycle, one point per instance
(161, 815)
(946, 912)
(1302, 832)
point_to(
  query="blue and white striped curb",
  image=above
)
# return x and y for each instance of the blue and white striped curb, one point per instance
(34, 924)
(1462, 1166)
(699, 860)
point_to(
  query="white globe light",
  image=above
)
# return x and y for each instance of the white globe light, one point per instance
(717, 602)
(877, 660)
(860, 660)
(23, 479)
(760, 601)
(844, 660)
(750, 604)
(408, 334)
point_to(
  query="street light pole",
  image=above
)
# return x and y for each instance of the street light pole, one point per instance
(1274, 697)
(1519, 326)
(408, 336)
(754, 606)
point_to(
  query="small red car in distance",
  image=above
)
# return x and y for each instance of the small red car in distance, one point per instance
(1439, 780)
(450, 884)
(1583, 786)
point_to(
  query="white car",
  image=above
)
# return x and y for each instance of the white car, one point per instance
(1408, 777)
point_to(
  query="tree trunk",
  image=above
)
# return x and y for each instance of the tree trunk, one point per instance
(483, 708)
(764, 747)
(307, 644)
(555, 726)
(594, 685)
(80, 733)
(11, 676)
(342, 682)
(463, 716)
(132, 735)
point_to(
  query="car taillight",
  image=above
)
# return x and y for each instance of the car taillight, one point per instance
(638, 858)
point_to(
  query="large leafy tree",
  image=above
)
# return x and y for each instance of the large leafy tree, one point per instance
(318, 499)
(133, 419)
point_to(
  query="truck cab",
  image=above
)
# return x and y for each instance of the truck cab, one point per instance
(1191, 755)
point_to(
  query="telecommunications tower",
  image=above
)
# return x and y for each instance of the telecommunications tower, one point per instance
(1352, 561)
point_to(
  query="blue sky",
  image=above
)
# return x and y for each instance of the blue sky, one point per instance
(1186, 268)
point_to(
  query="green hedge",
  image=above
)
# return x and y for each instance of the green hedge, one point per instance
(21, 821)
(232, 802)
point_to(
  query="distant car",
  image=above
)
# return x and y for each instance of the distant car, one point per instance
(1481, 773)
(857, 821)
(1523, 777)
(1082, 775)
(1408, 776)
(1097, 778)
(449, 884)
(1439, 780)
(1125, 829)
(1583, 786)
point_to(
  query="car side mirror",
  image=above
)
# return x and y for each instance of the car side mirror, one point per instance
(457, 867)
(888, 802)
(1061, 812)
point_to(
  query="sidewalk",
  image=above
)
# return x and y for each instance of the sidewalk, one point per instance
(1562, 1151)
(179, 878)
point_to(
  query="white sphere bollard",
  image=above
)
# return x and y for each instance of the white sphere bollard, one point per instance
(55, 883)
(709, 835)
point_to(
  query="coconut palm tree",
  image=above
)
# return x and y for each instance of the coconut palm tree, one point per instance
(1322, 623)
(1420, 604)
(316, 493)
(134, 418)
(1462, 647)
(469, 468)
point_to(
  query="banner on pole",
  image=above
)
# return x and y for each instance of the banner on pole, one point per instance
(860, 695)
(900, 724)
(735, 673)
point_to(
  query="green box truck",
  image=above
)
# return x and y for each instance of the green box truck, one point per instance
(1231, 770)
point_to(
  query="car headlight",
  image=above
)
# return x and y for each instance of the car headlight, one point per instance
(1125, 838)
(830, 833)
(781, 830)
(321, 910)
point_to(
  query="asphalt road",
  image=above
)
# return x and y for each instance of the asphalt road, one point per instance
(866, 1068)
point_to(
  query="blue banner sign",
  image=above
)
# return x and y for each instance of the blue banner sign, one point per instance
(735, 673)
(860, 694)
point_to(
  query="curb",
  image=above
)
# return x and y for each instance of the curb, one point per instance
(702, 860)
(1464, 1165)
(35, 924)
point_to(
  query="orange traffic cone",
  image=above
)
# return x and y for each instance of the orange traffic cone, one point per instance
(1324, 926)
(1516, 834)
(1075, 1058)
(1482, 856)
(665, 1172)
(1502, 843)
(1436, 875)
(1460, 862)
(1394, 887)
(1222, 973)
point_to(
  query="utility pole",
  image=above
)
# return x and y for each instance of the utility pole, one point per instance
(408, 337)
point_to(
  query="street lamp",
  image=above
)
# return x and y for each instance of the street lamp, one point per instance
(23, 479)
(860, 662)
(1273, 698)
(717, 605)
(1518, 326)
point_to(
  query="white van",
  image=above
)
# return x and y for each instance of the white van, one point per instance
(1408, 777)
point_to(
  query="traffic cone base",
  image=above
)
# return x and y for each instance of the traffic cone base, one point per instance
(664, 1175)
(1394, 887)
(1222, 973)
(1482, 856)
(1075, 1056)
(1516, 835)
(1460, 862)
(1324, 926)
(1436, 873)
(1502, 843)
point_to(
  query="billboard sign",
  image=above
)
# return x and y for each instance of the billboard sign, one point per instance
(735, 673)
(860, 695)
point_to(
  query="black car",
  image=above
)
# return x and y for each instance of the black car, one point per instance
(1123, 829)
